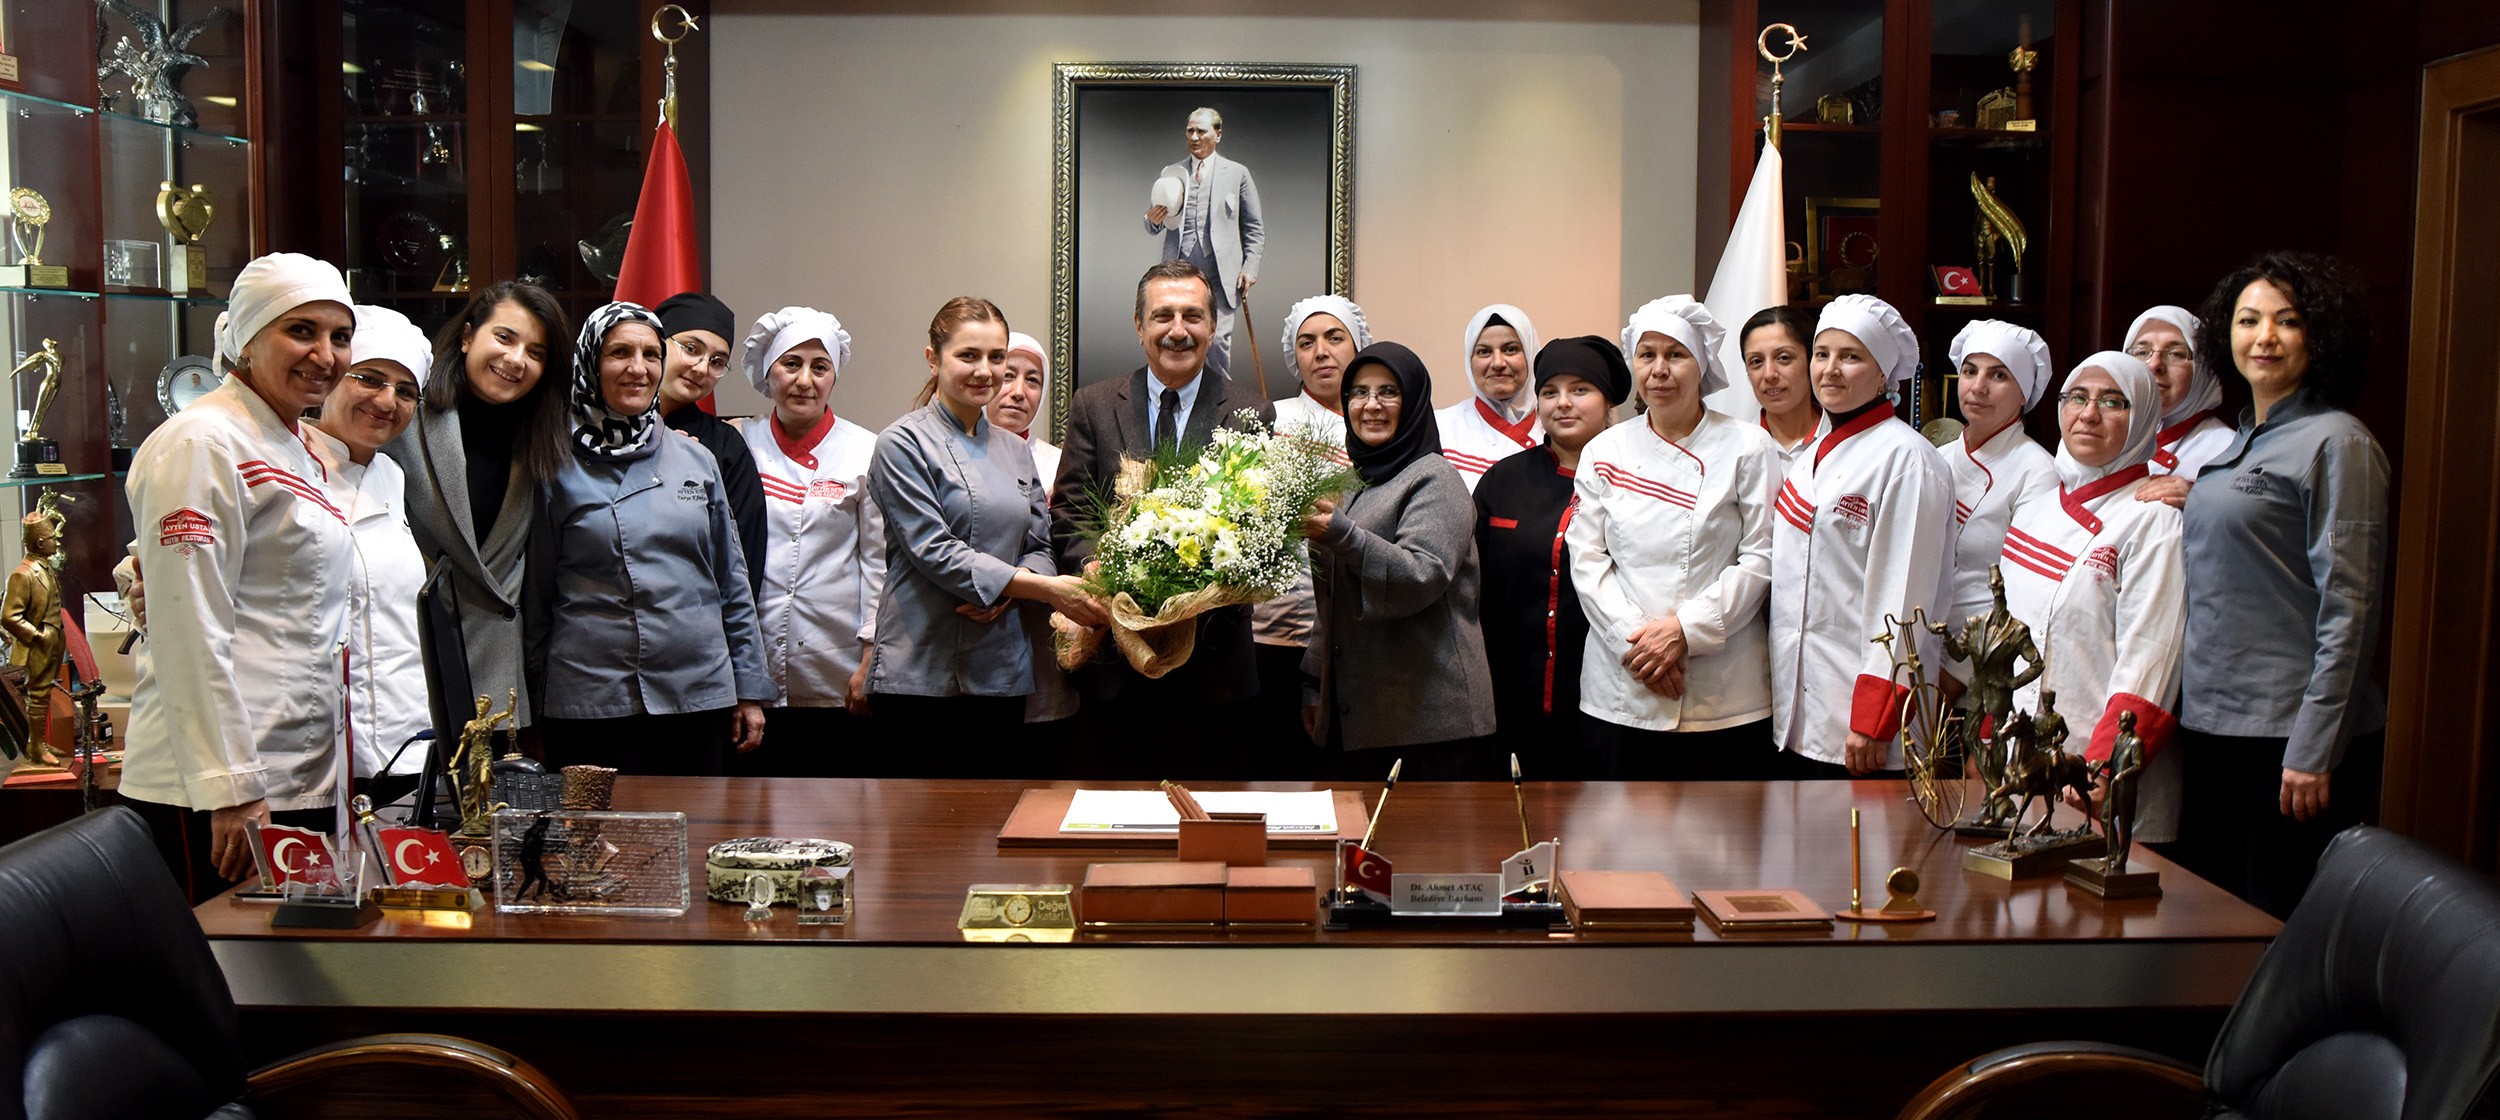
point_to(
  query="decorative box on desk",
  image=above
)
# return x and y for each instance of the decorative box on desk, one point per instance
(1160, 894)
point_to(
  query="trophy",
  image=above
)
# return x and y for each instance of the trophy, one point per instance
(2108, 876)
(474, 762)
(38, 454)
(2022, 60)
(1994, 221)
(31, 617)
(185, 214)
(155, 63)
(1991, 643)
(29, 211)
(2037, 769)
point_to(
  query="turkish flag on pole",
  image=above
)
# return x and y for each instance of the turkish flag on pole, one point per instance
(1366, 870)
(295, 856)
(419, 857)
(661, 255)
(1752, 275)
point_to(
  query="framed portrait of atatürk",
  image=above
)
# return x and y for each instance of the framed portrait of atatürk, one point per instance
(1244, 170)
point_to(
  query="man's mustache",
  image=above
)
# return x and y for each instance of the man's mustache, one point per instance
(1177, 343)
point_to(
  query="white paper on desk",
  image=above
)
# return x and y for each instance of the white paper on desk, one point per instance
(1148, 811)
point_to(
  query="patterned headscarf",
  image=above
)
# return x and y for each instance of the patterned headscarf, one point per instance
(598, 431)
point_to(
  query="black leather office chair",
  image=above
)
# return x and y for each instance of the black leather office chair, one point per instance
(2379, 1001)
(111, 1005)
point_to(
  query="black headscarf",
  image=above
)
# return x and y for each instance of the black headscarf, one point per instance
(1598, 360)
(1417, 435)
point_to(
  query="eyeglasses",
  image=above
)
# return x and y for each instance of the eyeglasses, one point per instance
(1385, 394)
(2178, 354)
(404, 390)
(2107, 402)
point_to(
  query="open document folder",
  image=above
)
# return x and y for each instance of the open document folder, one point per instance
(1147, 810)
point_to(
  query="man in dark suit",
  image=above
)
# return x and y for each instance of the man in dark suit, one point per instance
(1188, 723)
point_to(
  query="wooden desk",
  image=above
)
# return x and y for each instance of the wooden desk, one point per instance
(1275, 1018)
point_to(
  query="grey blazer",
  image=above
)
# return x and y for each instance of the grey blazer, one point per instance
(1106, 422)
(963, 511)
(1398, 651)
(1234, 223)
(486, 568)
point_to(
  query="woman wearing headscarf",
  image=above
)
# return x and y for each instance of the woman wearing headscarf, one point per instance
(1534, 628)
(235, 719)
(1023, 393)
(643, 647)
(1500, 420)
(966, 530)
(1322, 334)
(387, 704)
(2100, 579)
(1778, 345)
(490, 429)
(1398, 655)
(1671, 550)
(1861, 543)
(2281, 724)
(1997, 469)
(2193, 427)
(823, 557)
(698, 327)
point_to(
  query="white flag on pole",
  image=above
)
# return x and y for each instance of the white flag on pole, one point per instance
(1752, 275)
(1528, 867)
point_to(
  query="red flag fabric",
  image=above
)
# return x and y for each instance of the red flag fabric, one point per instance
(296, 855)
(419, 857)
(662, 257)
(1367, 871)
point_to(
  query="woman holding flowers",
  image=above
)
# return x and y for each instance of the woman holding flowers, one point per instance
(1398, 657)
(966, 530)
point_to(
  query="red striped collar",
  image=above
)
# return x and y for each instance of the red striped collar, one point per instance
(1698, 466)
(801, 450)
(1861, 422)
(2169, 437)
(2078, 502)
(1518, 431)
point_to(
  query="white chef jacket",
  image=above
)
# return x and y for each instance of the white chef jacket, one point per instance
(1864, 527)
(1287, 620)
(2185, 447)
(2006, 473)
(248, 568)
(1659, 528)
(1474, 436)
(1053, 697)
(824, 557)
(386, 698)
(2101, 579)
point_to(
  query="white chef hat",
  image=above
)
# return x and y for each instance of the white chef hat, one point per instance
(269, 287)
(1345, 312)
(387, 335)
(1878, 328)
(776, 332)
(2204, 389)
(2135, 382)
(1019, 342)
(2024, 352)
(1686, 321)
(1514, 317)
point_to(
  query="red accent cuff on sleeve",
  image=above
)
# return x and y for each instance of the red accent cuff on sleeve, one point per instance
(2153, 724)
(1875, 707)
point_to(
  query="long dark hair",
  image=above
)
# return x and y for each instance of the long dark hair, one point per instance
(540, 446)
(2335, 323)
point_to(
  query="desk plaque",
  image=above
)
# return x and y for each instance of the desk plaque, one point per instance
(583, 862)
(1018, 912)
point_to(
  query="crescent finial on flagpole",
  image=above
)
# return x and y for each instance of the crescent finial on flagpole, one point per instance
(668, 86)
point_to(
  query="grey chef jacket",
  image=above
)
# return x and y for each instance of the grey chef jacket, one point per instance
(2286, 536)
(962, 513)
(639, 602)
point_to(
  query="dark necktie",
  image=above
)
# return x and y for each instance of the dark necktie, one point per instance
(1167, 427)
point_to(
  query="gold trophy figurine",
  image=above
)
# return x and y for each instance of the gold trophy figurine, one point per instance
(1994, 221)
(474, 762)
(38, 454)
(2022, 61)
(186, 215)
(31, 614)
(29, 212)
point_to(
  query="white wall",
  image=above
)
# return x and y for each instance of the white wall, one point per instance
(874, 165)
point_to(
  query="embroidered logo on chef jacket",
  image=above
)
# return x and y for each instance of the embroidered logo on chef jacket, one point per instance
(691, 490)
(2103, 560)
(828, 489)
(185, 530)
(1855, 509)
(2254, 481)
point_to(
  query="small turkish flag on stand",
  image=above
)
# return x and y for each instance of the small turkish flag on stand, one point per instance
(292, 856)
(1367, 871)
(419, 857)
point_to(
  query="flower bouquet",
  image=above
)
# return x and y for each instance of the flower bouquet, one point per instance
(1185, 536)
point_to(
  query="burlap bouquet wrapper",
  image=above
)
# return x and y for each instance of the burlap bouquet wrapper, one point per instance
(1154, 644)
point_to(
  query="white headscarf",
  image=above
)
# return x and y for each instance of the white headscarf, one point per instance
(2024, 352)
(1878, 327)
(269, 287)
(1688, 322)
(1518, 321)
(1345, 311)
(386, 335)
(1020, 342)
(2135, 382)
(2204, 389)
(776, 332)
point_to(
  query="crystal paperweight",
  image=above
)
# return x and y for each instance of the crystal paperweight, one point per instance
(561, 861)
